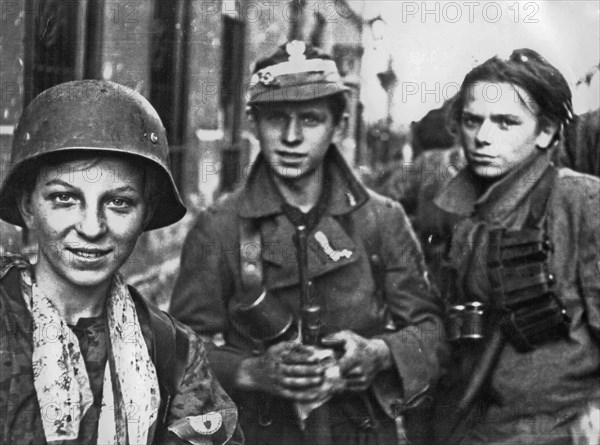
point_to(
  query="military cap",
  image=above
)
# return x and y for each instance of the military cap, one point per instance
(295, 72)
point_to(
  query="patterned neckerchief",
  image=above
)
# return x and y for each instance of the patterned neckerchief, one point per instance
(129, 402)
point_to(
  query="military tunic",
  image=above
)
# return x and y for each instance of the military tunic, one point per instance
(533, 397)
(354, 296)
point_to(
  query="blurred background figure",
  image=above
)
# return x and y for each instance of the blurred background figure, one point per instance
(431, 132)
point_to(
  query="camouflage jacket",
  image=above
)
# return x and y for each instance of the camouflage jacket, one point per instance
(198, 394)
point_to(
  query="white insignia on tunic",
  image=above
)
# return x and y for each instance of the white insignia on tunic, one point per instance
(206, 424)
(335, 255)
(351, 199)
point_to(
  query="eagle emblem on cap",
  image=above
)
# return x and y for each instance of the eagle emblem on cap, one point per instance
(295, 50)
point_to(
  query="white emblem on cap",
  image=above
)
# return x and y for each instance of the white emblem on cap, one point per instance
(297, 63)
(206, 424)
(296, 49)
(335, 255)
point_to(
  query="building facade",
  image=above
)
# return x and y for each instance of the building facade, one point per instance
(192, 59)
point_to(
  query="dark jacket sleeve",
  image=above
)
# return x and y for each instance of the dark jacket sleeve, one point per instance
(418, 346)
(201, 411)
(203, 288)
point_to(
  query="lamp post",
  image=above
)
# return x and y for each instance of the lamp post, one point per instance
(388, 80)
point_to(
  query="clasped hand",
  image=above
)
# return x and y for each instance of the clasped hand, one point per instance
(361, 360)
(307, 373)
(292, 371)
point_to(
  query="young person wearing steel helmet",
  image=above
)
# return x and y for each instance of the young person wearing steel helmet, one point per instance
(521, 266)
(85, 359)
(312, 287)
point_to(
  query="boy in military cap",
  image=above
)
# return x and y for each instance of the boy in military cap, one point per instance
(313, 287)
(84, 359)
(521, 266)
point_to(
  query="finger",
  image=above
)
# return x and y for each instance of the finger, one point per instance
(357, 388)
(357, 380)
(299, 359)
(348, 362)
(300, 382)
(350, 347)
(313, 355)
(338, 344)
(282, 347)
(358, 383)
(288, 350)
(302, 370)
(345, 334)
(356, 370)
(300, 396)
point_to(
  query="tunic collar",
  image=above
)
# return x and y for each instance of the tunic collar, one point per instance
(461, 195)
(261, 199)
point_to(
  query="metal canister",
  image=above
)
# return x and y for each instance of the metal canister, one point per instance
(266, 320)
(472, 327)
(455, 321)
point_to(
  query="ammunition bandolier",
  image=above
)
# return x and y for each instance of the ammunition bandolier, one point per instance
(520, 276)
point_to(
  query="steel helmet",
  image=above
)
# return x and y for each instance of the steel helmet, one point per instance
(92, 115)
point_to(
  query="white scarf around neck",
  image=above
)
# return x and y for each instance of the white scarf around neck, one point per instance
(61, 381)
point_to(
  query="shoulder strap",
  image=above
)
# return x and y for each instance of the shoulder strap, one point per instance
(540, 198)
(14, 306)
(373, 246)
(10, 282)
(251, 269)
(169, 344)
(372, 240)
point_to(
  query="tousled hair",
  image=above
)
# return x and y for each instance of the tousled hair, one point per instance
(526, 69)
